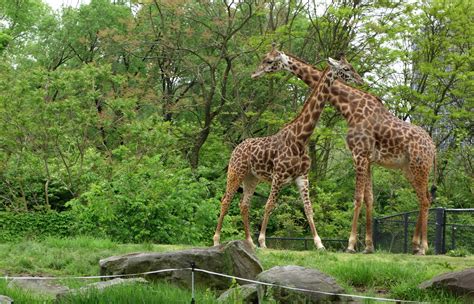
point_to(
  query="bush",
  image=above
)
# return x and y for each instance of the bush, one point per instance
(16, 226)
(153, 202)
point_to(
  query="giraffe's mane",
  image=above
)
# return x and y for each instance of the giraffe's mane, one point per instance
(306, 102)
(297, 58)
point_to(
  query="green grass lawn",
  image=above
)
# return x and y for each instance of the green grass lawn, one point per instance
(380, 274)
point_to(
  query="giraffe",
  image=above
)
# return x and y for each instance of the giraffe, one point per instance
(280, 158)
(375, 136)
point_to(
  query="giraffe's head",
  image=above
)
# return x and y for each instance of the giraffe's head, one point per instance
(344, 70)
(273, 61)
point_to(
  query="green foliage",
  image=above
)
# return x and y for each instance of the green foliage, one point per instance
(17, 226)
(458, 252)
(136, 205)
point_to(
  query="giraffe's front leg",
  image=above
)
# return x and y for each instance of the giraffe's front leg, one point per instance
(277, 183)
(361, 164)
(303, 186)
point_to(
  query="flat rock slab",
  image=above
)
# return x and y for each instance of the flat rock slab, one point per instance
(247, 294)
(5, 300)
(300, 277)
(100, 286)
(39, 286)
(460, 283)
(234, 258)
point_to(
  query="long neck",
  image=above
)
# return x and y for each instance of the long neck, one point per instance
(303, 125)
(304, 71)
(345, 99)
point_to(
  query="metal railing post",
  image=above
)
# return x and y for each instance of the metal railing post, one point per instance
(193, 265)
(440, 226)
(405, 233)
(376, 232)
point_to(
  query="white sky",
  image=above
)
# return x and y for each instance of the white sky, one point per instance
(56, 4)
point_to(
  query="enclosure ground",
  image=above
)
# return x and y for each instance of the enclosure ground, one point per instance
(379, 274)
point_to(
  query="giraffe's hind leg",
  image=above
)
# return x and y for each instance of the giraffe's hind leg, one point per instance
(233, 182)
(361, 166)
(249, 184)
(303, 187)
(418, 177)
(369, 202)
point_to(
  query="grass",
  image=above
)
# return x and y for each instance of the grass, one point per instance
(380, 274)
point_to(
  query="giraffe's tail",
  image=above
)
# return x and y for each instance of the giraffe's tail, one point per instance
(434, 187)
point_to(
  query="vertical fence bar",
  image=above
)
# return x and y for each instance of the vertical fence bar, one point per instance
(405, 233)
(193, 265)
(376, 232)
(440, 226)
(445, 221)
(453, 237)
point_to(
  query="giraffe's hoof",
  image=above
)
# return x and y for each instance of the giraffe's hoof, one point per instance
(368, 250)
(349, 250)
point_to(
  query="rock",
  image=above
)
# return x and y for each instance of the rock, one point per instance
(460, 283)
(246, 294)
(41, 286)
(100, 286)
(5, 300)
(299, 277)
(234, 258)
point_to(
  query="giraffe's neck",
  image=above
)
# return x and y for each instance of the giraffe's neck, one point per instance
(303, 125)
(339, 97)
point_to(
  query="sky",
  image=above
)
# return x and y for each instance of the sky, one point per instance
(56, 4)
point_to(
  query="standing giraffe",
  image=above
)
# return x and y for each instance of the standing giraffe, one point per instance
(280, 158)
(374, 136)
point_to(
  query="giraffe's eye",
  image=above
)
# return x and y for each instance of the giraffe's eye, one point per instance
(268, 61)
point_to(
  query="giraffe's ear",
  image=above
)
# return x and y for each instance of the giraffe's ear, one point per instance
(333, 62)
(273, 46)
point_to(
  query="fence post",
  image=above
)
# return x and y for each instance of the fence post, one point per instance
(440, 226)
(405, 232)
(193, 265)
(376, 232)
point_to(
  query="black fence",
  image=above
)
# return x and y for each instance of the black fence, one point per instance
(448, 229)
(302, 243)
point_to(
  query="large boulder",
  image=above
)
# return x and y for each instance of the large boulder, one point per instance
(39, 286)
(246, 294)
(303, 278)
(235, 258)
(459, 282)
(5, 300)
(100, 286)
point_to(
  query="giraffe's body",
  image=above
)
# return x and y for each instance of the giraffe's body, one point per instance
(278, 159)
(374, 136)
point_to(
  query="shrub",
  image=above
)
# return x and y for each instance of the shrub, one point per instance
(16, 226)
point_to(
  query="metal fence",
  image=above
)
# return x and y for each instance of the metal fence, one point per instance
(302, 243)
(448, 229)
